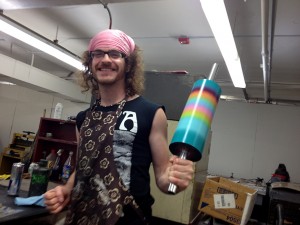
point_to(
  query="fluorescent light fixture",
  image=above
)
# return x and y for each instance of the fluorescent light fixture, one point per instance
(231, 98)
(217, 17)
(6, 83)
(19, 32)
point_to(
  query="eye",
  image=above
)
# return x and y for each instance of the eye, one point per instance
(115, 54)
(97, 54)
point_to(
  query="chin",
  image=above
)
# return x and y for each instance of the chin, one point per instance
(104, 78)
(108, 81)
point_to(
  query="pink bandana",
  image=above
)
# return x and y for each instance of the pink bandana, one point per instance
(112, 39)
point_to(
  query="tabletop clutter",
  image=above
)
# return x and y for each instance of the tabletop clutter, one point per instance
(40, 173)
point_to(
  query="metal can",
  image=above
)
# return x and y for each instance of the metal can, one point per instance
(15, 179)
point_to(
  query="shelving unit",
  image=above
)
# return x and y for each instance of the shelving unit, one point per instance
(6, 162)
(63, 136)
(20, 150)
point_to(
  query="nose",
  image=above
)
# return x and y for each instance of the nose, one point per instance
(106, 57)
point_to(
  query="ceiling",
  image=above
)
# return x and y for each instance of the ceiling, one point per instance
(156, 25)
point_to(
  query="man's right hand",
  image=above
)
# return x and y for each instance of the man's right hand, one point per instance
(57, 198)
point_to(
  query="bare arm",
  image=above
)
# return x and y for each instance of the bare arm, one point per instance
(167, 169)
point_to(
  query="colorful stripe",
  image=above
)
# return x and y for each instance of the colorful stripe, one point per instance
(196, 117)
(201, 105)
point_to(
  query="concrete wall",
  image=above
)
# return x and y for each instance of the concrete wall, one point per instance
(250, 140)
(21, 109)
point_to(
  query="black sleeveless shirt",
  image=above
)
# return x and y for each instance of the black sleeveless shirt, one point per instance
(131, 147)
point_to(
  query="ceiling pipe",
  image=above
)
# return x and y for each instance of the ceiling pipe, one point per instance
(273, 6)
(246, 96)
(265, 52)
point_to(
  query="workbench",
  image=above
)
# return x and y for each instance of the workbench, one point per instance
(12, 214)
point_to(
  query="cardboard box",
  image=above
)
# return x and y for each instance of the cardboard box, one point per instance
(227, 200)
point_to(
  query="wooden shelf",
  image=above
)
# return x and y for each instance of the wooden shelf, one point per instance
(6, 162)
(63, 137)
(18, 150)
(11, 156)
(58, 140)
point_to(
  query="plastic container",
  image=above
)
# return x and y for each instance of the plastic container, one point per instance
(57, 168)
(67, 168)
(58, 111)
(51, 158)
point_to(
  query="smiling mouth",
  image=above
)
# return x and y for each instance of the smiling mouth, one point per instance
(106, 69)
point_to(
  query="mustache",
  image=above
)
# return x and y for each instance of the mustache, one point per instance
(105, 65)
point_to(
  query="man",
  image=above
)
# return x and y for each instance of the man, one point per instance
(118, 138)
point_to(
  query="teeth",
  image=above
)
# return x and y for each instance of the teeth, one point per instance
(103, 69)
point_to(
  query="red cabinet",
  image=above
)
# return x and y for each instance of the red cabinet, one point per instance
(55, 134)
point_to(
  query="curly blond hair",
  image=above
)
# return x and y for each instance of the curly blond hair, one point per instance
(134, 78)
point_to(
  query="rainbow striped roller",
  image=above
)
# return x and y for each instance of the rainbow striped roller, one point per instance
(195, 120)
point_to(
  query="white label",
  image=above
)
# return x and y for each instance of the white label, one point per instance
(223, 201)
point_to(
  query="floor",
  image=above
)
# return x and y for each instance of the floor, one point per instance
(203, 221)
(156, 221)
(159, 221)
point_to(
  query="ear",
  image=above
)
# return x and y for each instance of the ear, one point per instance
(127, 69)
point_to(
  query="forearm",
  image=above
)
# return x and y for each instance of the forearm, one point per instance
(70, 183)
(167, 169)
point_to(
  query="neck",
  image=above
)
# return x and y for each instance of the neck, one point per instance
(111, 102)
(111, 96)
